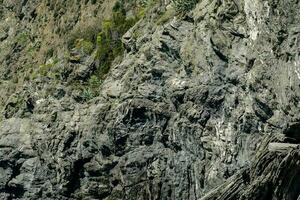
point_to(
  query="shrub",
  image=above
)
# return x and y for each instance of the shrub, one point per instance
(108, 46)
(184, 5)
(84, 45)
(87, 33)
(22, 38)
(94, 81)
(48, 69)
(166, 16)
(109, 43)
(87, 94)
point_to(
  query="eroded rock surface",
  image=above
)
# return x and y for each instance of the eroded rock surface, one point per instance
(187, 113)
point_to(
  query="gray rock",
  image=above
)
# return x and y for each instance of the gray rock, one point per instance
(188, 112)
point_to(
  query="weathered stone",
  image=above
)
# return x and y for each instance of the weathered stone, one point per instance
(200, 105)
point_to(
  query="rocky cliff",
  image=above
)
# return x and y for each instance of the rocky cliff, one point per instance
(170, 100)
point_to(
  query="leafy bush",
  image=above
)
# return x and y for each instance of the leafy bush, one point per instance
(22, 38)
(49, 69)
(109, 43)
(84, 45)
(94, 81)
(184, 5)
(86, 33)
(109, 46)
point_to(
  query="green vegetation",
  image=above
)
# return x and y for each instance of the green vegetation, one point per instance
(49, 53)
(86, 94)
(184, 5)
(178, 8)
(94, 82)
(85, 46)
(32, 49)
(46, 70)
(88, 33)
(22, 38)
(101, 41)
(166, 16)
(88, 89)
(109, 44)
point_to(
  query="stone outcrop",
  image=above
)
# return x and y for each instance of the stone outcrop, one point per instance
(202, 105)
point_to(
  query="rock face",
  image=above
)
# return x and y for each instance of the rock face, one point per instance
(188, 112)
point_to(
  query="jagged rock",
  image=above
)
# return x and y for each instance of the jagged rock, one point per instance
(274, 175)
(201, 105)
(282, 147)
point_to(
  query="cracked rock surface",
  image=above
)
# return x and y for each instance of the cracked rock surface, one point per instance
(187, 113)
